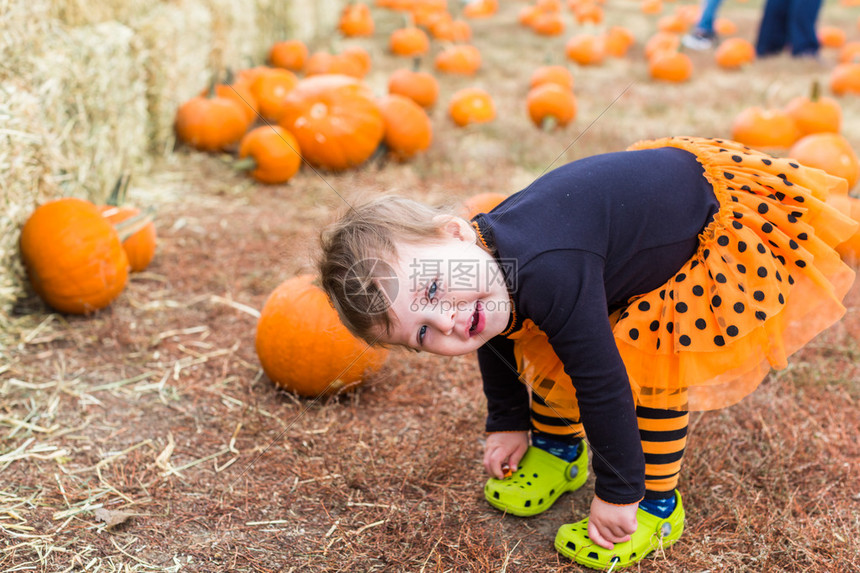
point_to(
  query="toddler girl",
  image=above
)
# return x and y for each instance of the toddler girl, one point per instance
(625, 289)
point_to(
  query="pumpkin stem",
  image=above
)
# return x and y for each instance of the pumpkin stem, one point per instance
(132, 225)
(416, 63)
(117, 195)
(548, 123)
(245, 164)
(815, 91)
(213, 83)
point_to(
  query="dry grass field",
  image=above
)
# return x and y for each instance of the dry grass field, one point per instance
(146, 437)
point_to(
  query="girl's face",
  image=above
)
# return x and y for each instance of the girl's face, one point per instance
(450, 294)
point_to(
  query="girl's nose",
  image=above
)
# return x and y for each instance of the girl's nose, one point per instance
(445, 320)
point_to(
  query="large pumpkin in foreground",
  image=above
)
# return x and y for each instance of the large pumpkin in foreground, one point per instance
(303, 346)
(73, 256)
(335, 120)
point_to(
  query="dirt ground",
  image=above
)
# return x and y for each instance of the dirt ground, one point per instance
(146, 437)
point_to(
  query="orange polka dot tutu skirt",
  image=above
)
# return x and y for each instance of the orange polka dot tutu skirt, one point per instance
(764, 281)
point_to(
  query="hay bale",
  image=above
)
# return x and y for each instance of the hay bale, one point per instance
(94, 101)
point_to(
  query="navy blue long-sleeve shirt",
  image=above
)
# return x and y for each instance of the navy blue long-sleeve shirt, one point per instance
(586, 237)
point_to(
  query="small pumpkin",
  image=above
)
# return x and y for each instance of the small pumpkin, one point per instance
(335, 119)
(670, 66)
(409, 42)
(356, 20)
(408, 129)
(617, 40)
(725, 27)
(420, 87)
(303, 346)
(288, 54)
(481, 203)
(816, 112)
(830, 152)
(662, 42)
(140, 245)
(552, 73)
(480, 8)
(322, 62)
(831, 36)
(451, 30)
(651, 6)
(471, 105)
(463, 59)
(270, 154)
(551, 105)
(734, 53)
(588, 13)
(763, 128)
(210, 122)
(845, 78)
(850, 52)
(548, 24)
(585, 49)
(73, 256)
(675, 23)
(269, 88)
(240, 92)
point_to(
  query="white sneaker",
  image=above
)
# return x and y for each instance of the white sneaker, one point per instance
(699, 40)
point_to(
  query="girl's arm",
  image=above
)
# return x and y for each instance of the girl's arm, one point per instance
(507, 396)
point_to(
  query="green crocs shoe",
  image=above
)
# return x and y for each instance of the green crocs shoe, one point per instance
(653, 533)
(540, 479)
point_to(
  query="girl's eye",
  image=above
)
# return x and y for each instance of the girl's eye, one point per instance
(421, 332)
(432, 290)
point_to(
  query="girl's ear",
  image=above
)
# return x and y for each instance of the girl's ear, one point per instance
(456, 227)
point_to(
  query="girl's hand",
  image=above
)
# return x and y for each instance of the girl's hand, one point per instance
(610, 524)
(504, 448)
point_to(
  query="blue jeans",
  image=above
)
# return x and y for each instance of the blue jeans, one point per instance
(709, 14)
(788, 23)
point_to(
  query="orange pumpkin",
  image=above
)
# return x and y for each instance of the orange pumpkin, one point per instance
(670, 66)
(240, 92)
(734, 53)
(289, 54)
(548, 24)
(270, 154)
(552, 74)
(662, 42)
(463, 59)
(585, 49)
(360, 56)
(480, 8)
(550, 105)
(451, 30)
(303, 347)
(765, 128)
(210, 122)
(845, 78)
(725, 27)
(325, 63)
(409, 42)
(335, 120)
(269, 88)
(617, 41)
(140, 242)
(420, 87)
(847, 205)
(850, 52)
(408, 129)
(356, 20)
(588, 13)
(651, 6)
(73, 256)
(830, 152)
(674, 23)
(471, 105)
(815, 113)
(481, 203)
(831, 36)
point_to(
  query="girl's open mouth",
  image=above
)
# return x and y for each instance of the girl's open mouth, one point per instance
(477, 321)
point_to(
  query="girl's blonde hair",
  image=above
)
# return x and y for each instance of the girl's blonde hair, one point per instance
(359, 253)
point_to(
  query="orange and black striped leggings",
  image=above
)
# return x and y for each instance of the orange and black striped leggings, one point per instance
(663, 434)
